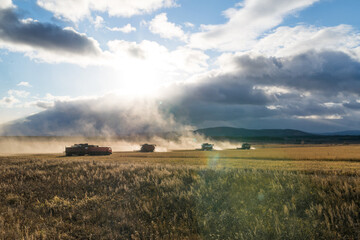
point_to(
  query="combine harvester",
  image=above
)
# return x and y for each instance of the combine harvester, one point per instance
(207, 147)
(82, 149)
(245, 146)
(147, 147)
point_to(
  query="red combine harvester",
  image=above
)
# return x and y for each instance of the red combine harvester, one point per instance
(84, 148)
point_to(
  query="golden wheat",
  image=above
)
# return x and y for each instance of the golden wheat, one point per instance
(294, 193)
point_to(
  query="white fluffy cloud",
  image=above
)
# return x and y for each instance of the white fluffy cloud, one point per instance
(76, 10)
(246, 24)
(161, 26)
(189, 25)
(288, 41)
(51, 43)
(159, 57)
(18, 93)
(98, 22)
(8, 101)
(6, 4)
(24, 84)
(125, 29)
(13, 97)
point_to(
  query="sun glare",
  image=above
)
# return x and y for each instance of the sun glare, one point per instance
(137, 81)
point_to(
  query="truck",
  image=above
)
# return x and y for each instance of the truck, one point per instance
(207, 147)
(147, 147)
(82, 149)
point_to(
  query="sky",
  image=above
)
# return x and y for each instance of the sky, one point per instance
(120, 66)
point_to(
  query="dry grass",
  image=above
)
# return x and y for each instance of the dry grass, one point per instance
(267, 193)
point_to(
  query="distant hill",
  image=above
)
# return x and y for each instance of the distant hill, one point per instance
(343, 133)
(242, 132)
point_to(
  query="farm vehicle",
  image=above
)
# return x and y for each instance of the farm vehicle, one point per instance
(82, 149)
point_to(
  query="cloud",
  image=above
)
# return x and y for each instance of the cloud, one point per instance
(50, 43)
(18, 93)
(250, 89)
(150, 55)
(125, 29)
(77, 10)
(98, 22)
(245, 24)
(354, 105)
(5, 4)
(13, 98)
(316, 117)
(161, 26)
(274, 76)
(9, 101)
(24, 84)
(108, 115)
(44, 105)
(313, 91)
(326, 72)
(189, 25)
(287, 41)
(45, 41)
(223, 89)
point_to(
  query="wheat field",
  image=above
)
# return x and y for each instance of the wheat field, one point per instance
(270, 192)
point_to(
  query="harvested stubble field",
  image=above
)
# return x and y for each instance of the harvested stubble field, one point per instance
(276, 192)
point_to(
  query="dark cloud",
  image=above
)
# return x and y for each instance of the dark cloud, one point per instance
(352, 105)
(44, 105)
(316, 76)
(108, 115)
(202, 114)
(309, 107)
(329, 72)
(225, 90)
(314, 86)
(44, 35)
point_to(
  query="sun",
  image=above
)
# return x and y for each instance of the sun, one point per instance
(138, 81)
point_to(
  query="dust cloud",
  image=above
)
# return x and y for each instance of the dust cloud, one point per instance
(138, 121)
(56, 145)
